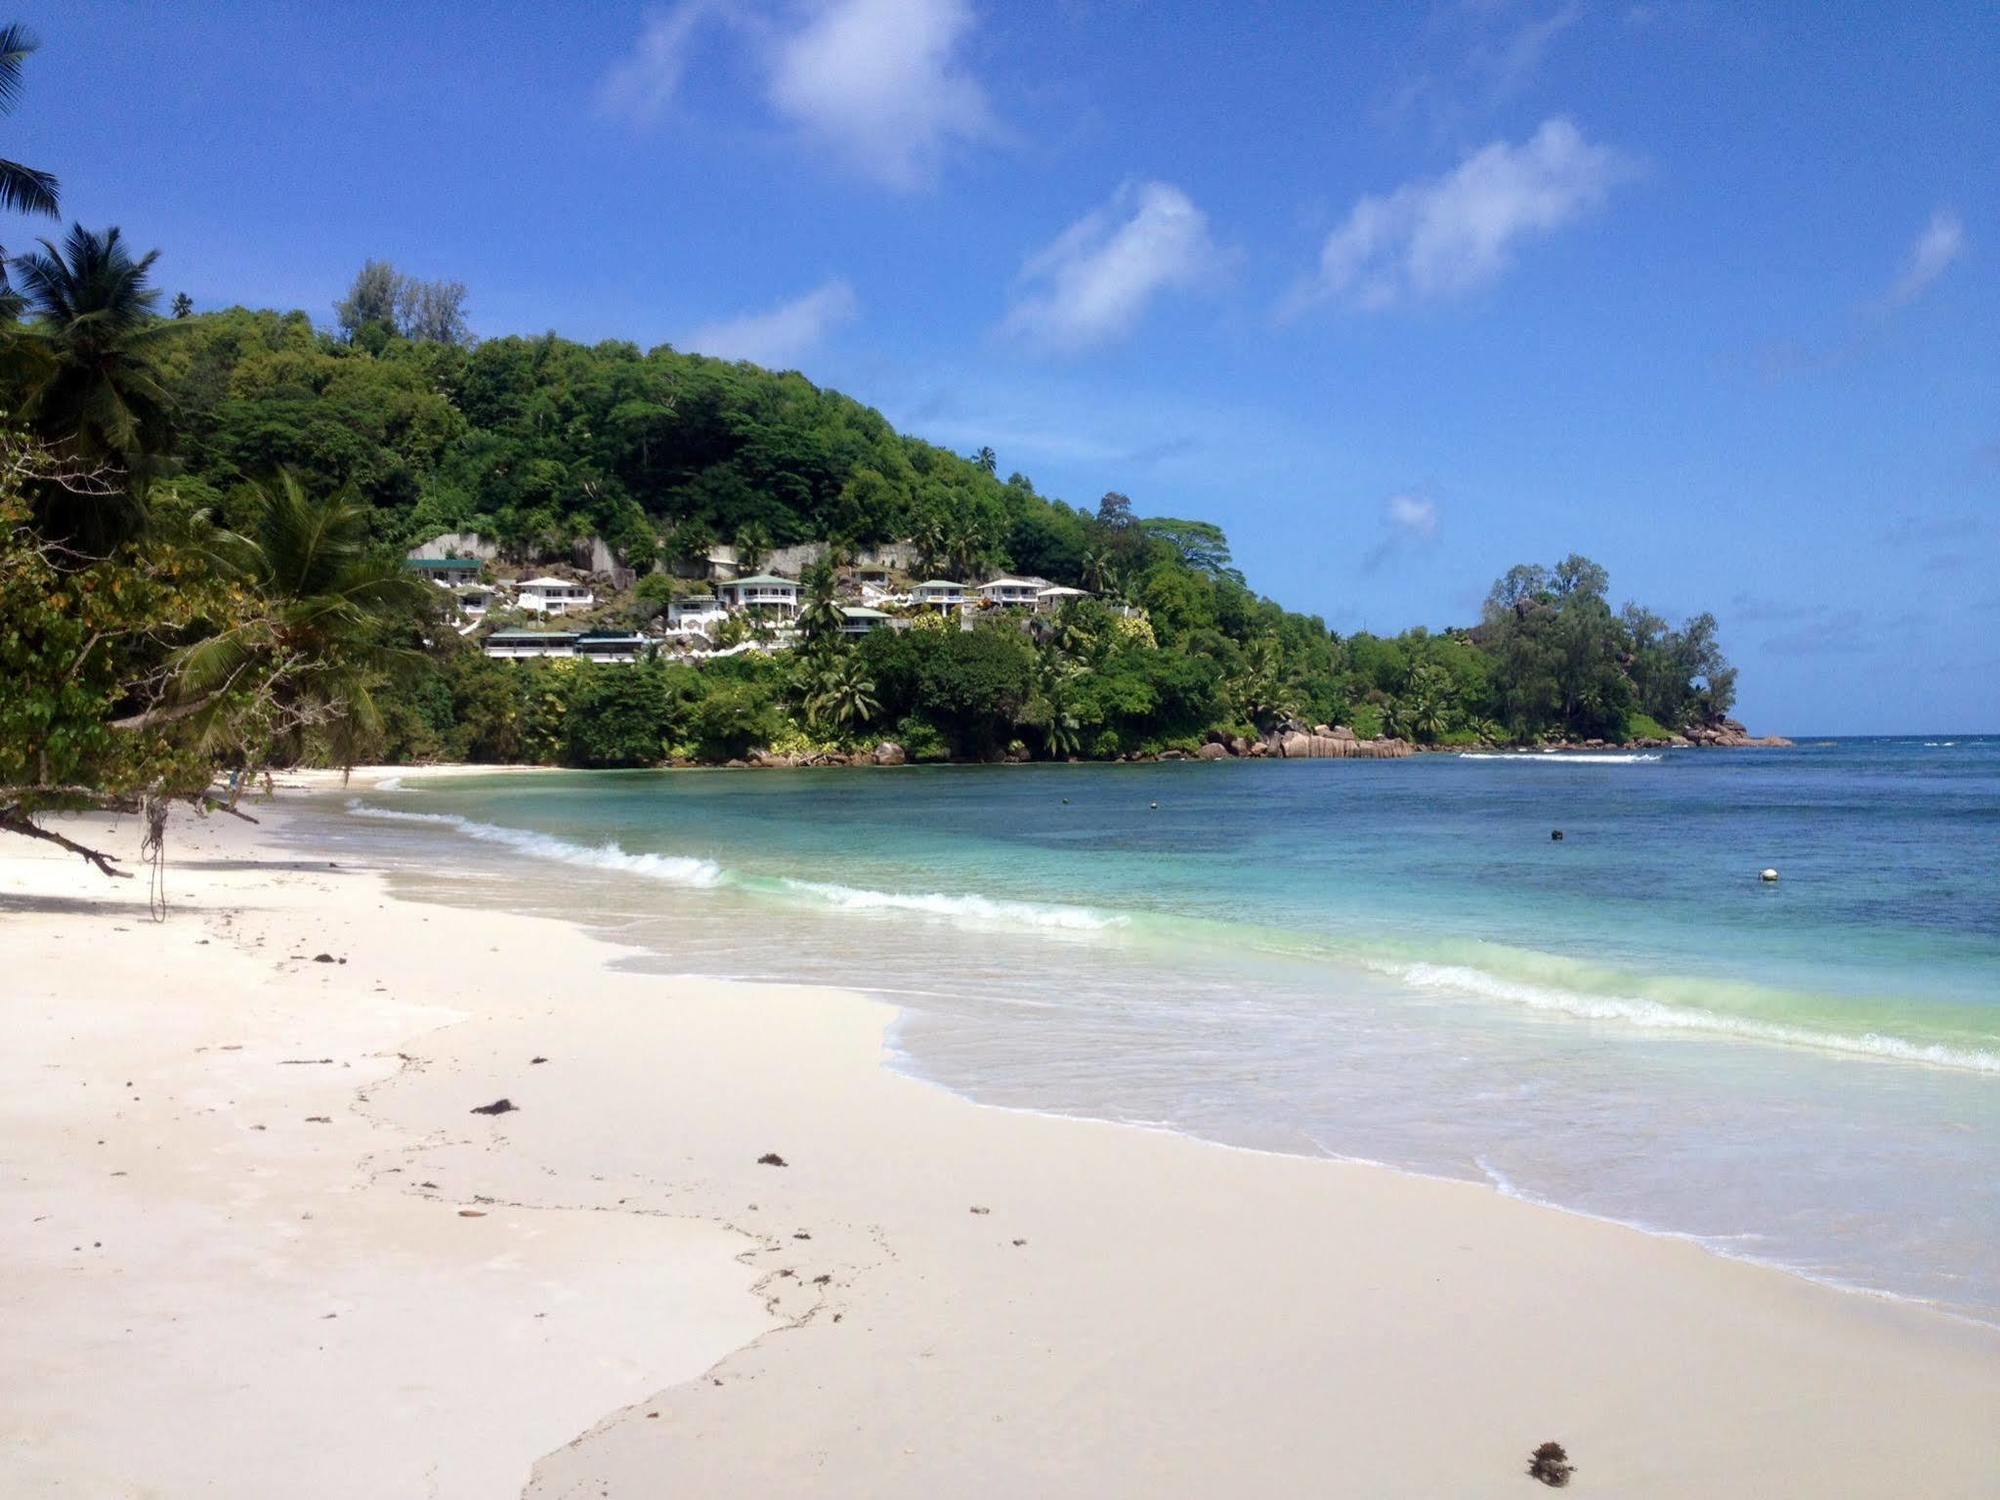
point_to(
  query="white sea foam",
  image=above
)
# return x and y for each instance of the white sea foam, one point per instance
(673, 869)
(1564, 757)
(1477, 983)
(965, 911)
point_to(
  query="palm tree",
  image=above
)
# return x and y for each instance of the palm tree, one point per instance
(95, 392)
(987, 459)
(299, 671)
(933, 539)
(822, 618)
(844, 695)
(23, 190)
(1095, 566)
(753, 542)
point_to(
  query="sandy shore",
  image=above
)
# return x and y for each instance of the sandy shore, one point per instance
(254, 1242)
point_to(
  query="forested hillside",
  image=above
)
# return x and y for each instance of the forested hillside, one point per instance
(537, 442)
(205, 516)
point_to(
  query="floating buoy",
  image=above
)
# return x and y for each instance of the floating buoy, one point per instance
(1768, 875)
(1556, 835)
(1154, 805)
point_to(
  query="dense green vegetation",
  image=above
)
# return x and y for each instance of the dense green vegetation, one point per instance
(233, 490)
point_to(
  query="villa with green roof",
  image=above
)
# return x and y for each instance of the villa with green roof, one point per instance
(859, 619)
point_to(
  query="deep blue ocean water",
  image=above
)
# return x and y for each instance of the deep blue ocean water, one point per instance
(1385, 960)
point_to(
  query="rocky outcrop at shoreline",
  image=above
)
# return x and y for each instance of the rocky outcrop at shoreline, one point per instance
(1321, 742)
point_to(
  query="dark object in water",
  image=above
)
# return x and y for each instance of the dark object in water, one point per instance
(322, 958)
(1556, 834)
(533, 1060)
(982, 1210)
(770, 1159)
(1551, 1465)
(497, 1107)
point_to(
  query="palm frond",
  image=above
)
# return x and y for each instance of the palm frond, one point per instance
(26, 190)
(16, 42)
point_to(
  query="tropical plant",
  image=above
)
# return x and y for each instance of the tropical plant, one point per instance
(821, 618)
(23, 190)
(297, 674)
(89, 362)
(844, 695)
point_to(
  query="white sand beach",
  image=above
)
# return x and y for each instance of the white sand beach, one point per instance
(254, 1241)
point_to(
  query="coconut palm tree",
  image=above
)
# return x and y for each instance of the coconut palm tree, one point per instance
(94, 391)
(298, 673)
(844, 695)
(821, 619)
(23, 190)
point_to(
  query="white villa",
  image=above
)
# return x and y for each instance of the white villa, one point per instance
(1014, 591)
(588, 645)
(940, 594)
(696, 614)
(474, 599)
(445, 572)
(762, 593)
(610, 645)
(1052, 598)
(858, 619)
(554, 596)
(515, 644)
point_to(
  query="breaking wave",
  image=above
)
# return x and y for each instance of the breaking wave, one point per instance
(1463, 979)
(1566, 757)
(964, 911)
(673, 869)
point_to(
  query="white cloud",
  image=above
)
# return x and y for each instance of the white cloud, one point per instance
(1412, 517)
(641, 86)
(882, 84)
(1452, 234)
(1408, 522)
(1093, 282)
(879, 83)
(1940, 245)
(783, 334)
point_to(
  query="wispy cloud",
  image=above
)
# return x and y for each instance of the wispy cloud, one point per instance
(641, 85)
(1408, 522)
(882, 85)
(1480, 56)
(1449, 235)
(783, 334)
(1940, 246)
(1935, 251)
(1094, 281)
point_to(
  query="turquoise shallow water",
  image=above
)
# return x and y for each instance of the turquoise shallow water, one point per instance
(1386, 960)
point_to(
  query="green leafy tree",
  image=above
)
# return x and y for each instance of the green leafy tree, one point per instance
(23, 189)
(821, 617)
(334, 619)
(91, 361)
(844, 695)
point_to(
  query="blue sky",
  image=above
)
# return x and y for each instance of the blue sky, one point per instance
(1398, 295)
